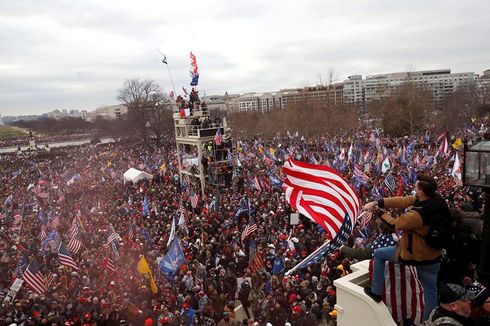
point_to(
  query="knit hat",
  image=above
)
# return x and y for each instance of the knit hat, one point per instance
(449, 293)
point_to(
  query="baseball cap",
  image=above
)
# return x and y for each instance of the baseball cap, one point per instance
(451, 292)
(481, 293)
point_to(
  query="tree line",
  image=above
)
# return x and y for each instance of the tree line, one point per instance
(410, 110)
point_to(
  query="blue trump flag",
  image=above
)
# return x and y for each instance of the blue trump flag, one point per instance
(173, 259)
(278, 265)
(146, 208)
(195, 80)
(243, 208)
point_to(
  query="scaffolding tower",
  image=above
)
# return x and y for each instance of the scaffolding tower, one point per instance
(201, 162)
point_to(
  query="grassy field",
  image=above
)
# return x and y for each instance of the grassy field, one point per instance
(7, 133)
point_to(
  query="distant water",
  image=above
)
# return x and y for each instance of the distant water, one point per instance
(41, 145)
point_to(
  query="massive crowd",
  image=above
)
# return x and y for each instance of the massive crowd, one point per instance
(45, 197)
(44, 139)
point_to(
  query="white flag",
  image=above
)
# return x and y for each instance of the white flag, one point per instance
(349, 153)
(456, 173)
(385, 166)
(172, 233)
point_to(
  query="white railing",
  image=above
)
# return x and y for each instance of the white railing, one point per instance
(353, 306)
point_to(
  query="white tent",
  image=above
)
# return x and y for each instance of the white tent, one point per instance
(136, 175)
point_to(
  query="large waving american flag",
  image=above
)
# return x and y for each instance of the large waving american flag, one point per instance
(320, 193)
(35, 278)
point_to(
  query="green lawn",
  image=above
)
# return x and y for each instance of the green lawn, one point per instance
(7, 133)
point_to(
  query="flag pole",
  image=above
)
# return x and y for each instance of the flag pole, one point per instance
(164, 60)
(323, 246)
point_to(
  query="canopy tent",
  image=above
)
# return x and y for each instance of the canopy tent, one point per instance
(136, 175)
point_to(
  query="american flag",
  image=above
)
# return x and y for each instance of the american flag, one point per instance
(257, 263)
(364, 218)
(74, 228)
(43, 233)
(182, 208)
(360, 176)
(443, 147)
(403, 293)
(131, 232)
(256, 184)
(55, 222)
(74, 245)
(109, 264)
(112, 235)
(49, 279)
(65, 258)
(321, 194)
(217, 137)
(194, 197)
(249, 229)
(17, 219)
(35, 278)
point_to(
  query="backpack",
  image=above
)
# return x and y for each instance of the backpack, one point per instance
(436, 214)
(440, 232)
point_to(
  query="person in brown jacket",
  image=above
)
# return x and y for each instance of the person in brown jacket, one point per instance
(412, 248)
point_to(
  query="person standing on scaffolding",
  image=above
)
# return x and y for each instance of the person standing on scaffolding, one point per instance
(423, 209)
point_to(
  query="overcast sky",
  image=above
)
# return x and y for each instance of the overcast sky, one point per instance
(76, 54)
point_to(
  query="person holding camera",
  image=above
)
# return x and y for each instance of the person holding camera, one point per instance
(419, 243)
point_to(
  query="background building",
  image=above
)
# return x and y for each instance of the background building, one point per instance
(107, 112)
(440, 83)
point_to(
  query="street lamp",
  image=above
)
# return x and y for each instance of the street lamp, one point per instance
(476, 173)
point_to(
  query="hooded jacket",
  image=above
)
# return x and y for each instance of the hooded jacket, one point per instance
(415, 224)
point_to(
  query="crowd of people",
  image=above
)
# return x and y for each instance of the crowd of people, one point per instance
(44, 139)
(80, 193)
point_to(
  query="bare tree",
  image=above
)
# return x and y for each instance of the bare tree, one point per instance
(160, 122)
(404, 112)
(141, 98)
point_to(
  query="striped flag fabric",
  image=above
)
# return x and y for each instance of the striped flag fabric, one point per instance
(249, 229)
(257, 263)
(131, 232)
(34, 278)
(443, 147)
(74, 228)
(17, 219)
(194, 198)
(321, 194)
(360, 176)
(218, 139)
(55, 222)
(364, 219)
(112, 235)
(256, 184)
(74, 245)
(403, 293)
(65, 258)
(49, 279)
(110, 265)
(43, 233)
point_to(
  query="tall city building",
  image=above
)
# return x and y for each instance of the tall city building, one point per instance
(440, 83)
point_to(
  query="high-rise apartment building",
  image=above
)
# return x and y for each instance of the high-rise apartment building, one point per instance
(440, 83)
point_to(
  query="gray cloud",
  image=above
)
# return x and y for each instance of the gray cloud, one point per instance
(76, 54)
